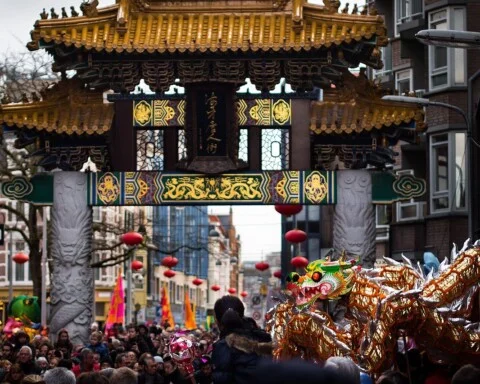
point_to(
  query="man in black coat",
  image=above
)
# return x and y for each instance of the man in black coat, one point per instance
(150, 374)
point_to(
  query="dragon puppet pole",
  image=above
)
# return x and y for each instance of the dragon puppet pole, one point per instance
(407, 360)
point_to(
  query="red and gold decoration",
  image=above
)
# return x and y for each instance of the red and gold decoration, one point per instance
(169, 273)
(131, 238)
(296, 236)
(288, 209)
(262, 266)
(20, 258)
(299, 262)
(136, 265)
(169, 261)
(380, 304)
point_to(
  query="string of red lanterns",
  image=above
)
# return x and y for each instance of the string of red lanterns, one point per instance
(288, 209)
(20, 258)
(232, 291)
(299, 262)
(169, 261)
(215, 288)
(197, 282)
(244, 294)
(277, 274)
(169, 273)
(131, 238)
(136, 265)
(296, 236)
(262, 266)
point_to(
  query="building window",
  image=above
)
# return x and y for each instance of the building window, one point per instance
(447, 172)
(97, 217)
(447, 66)
(404, 82)
(406, 11)
(382, 222)
(386, 53)
(410, 209)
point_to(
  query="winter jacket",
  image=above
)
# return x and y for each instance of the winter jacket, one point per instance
(236, 356)
(145, 378)
(101, 349)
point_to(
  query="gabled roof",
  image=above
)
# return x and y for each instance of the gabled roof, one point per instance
(67, 107)
(358, 107)
(214, 26)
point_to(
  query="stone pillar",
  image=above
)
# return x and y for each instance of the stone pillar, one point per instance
(71, 246)
(354, 218)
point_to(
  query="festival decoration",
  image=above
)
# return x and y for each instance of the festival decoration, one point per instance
(277, 274)
(167, 315)
(262, 266)
(232, 291)
(190, 321)
(170, 261)
(20, 258)
(136, 265)
(244, 294)
(169, 273)
(182, 351)
(131, 238)
(299, 262)
(116, 313)
(288, 209)
(197, 282)
(296, 236)
(25, 309)
(215, 288)
(377, 303)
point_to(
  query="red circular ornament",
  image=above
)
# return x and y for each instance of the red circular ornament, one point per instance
(244, 294)
(232, 291)
(288, 209)
(262, 266)
(20, 258)
(299, 262)
(170, 261)
(277, 274)
(197, 282)
(169, 273)
(131, 238)
(296, 236)
(215, 288)
(137, 265)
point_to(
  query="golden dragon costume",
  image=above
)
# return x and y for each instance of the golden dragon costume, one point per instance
(340, 309)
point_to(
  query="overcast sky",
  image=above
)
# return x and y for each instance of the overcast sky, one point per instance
(258, 226)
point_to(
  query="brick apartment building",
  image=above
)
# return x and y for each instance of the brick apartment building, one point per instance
(439, 74)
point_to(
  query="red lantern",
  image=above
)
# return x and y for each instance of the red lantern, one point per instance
(20, 258)
(296, 236)
(244, 294)
(137, 265)
(232, 291)
(197, 282)
(262, 266)
(288, 209)
(215, 288)
(131, 238)
(277, 274)
(299, 262)
(169, 273)
(170, 261)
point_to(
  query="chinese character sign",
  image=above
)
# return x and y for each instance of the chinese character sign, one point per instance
(211, 123)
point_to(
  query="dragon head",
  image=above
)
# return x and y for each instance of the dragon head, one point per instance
(324, 280)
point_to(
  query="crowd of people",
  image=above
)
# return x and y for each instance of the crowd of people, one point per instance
(238, 351)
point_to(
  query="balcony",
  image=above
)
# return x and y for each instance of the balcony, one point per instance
(409, 18)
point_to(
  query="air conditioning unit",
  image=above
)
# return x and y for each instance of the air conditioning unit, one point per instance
(419, 92)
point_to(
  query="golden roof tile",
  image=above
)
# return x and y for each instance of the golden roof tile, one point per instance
(65, 108)
(175, 29)
(358, 107)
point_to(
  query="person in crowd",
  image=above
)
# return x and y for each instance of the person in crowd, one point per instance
(347, 366)
(121, 360)
(468, 374)
(150, 374)
(241, 345)
(30, 379)
(65, 363)
(7, 352)
(97, 346)
(25, 360)
(53, 362)
(42, 365)
(107, 372)
(204, 374)
(86, 363)
(43, 349)
(59, 376)
(173, 375)
(135, 342)
(15, 376)
(392, 377)
(21, 339)
(159, 361)
(92, 378)
(143, 333)
(123, 375)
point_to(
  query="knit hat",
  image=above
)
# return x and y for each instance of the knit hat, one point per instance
(158, 359)
(42, 359)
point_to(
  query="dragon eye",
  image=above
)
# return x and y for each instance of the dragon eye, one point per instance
(295, 277)
(316, 276)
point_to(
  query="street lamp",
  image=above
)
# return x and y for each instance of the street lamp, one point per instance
(449, 38)
(427, 103)
(466, 40)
